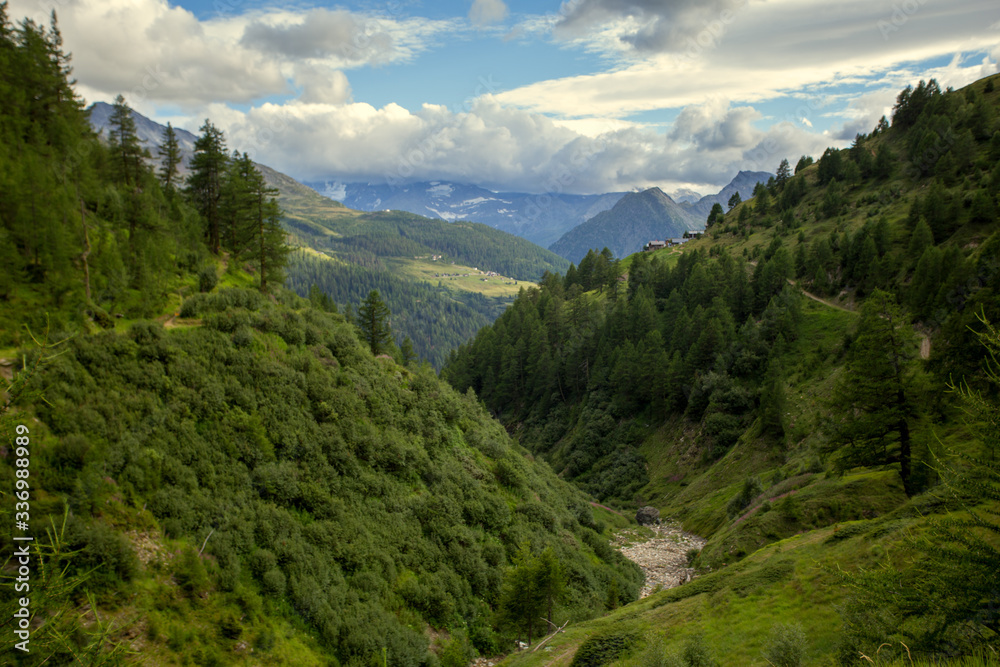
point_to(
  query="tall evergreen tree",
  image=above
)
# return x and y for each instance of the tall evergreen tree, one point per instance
(128, 152)
(373, 320)
(875, 395)
(784, 173)
(208, 167)
(170, 157)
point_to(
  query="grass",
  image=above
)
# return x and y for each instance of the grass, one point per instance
(467, 279)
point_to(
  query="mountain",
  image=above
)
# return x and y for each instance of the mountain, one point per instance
(744, 183)
(686, 196)
(637, 218)
(541, 219)
(442, 281)
(150, 132)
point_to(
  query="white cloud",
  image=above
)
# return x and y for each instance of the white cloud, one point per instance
(509, 149)
(762, 51)
(487, 12)
(152, 51)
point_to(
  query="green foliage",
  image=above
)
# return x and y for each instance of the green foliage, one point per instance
(696, 653)
(357, 497)
(786, 645)
(874, 399)
(947, 601)
(750, 490)
(605, 648)
(373, 321)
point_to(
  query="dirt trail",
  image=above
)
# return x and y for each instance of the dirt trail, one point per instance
(819, 300)
(663, 558)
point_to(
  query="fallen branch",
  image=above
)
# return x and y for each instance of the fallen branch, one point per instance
(542, 643)
(205, 542)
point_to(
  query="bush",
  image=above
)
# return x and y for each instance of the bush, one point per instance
(751, 489)
(208, 278)
(697, 654)
(786, 646)
(603, 649)
(656, 655)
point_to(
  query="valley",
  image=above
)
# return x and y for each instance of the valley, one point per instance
(245, 424)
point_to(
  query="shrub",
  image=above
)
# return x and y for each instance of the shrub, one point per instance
(208, 278)
(697, 654)
(786, 645)
(751, 489)
(603, 649)
(190, 573)
(656, 655)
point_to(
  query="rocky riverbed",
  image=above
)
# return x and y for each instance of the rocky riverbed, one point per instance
(662, 555)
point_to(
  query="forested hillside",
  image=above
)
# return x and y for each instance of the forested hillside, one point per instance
(215, 470)
(711, 386)
(351, 253)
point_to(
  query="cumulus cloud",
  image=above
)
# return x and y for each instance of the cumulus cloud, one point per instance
(154, 52)
(487, 12)
(509, 149)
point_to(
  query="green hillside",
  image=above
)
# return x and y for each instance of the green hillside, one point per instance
(432, 274)
(213, 471)
(806, 386)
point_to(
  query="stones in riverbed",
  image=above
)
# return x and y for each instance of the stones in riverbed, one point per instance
(647, 516)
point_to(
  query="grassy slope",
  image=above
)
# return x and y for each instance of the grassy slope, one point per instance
(806, 512)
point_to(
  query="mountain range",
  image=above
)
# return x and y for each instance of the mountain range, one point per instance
(540, 218)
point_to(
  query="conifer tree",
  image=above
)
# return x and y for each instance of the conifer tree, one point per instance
(125, 145)
(716, 215)
(170, 157)
(784, 173)
(876, 392)
(373, 320)
(208, 167)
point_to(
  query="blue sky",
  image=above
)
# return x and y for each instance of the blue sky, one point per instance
(581, 96)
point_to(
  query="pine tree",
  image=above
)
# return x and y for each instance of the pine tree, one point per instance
(549, 580)
(170, 158)
(125, 145)
(735, 200)
(875, 394)
(407, 351)
(208, 167)
(521, 601)
(784, 173)
(716, 215)
(373, 320)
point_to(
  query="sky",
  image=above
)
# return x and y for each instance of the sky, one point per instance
(583, 96)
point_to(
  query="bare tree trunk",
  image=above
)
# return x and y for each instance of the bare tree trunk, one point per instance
(86, 250)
